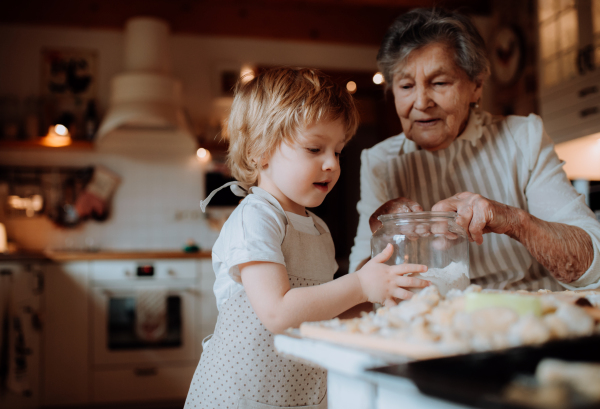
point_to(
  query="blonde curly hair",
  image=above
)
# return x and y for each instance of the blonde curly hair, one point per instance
(270, 109)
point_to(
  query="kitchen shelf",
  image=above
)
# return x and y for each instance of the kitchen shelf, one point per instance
(70, 255)
(36, 144)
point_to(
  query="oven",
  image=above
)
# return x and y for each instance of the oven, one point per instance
(143, 314)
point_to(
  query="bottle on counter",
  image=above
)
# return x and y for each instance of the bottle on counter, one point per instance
(90, 121)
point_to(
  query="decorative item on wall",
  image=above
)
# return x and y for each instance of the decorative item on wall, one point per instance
(66, 195)
(507, 55)
(69, 88)
(69, 73)
(225, 75)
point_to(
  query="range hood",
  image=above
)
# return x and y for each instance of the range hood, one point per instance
(146, 113)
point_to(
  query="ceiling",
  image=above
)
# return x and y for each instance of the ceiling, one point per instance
(338, 21)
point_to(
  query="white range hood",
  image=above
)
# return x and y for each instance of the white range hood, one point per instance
(146, 113)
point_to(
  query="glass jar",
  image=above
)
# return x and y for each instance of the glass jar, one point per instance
(430, 238)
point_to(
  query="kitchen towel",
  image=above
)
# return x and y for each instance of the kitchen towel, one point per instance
(5, 286)
(151, 314)
(16, 336)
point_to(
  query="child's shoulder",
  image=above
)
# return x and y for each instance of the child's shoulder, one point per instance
(255, 213)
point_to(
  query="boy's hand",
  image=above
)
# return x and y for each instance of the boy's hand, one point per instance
(381, 282)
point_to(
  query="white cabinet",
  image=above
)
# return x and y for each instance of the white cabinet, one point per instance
(569, 67)
(66, 334)
(20, 294)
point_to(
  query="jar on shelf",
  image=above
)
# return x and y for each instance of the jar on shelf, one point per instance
(430, 238)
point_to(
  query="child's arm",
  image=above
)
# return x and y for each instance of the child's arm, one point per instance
(279, 307)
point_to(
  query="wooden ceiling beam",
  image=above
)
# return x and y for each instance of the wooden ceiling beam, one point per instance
(337, 21)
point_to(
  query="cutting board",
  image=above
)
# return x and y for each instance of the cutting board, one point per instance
(372, 342)
(409, 349)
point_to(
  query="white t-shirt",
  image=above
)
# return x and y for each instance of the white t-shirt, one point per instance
(254, 232)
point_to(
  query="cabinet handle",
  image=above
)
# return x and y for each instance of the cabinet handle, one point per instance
(152, 371)
(585, 59)
(584, 92)
(580, 62)
(588, 111)
(589, 57)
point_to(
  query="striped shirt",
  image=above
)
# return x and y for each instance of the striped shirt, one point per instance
(507, 159)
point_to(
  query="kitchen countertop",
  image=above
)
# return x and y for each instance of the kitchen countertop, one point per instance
(74, 255)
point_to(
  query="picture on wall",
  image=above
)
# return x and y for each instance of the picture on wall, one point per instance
(69, 73)
(69, 86)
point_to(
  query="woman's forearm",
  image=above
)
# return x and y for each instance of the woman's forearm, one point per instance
(566, 251)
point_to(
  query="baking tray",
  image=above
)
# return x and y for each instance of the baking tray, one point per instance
(481, 379)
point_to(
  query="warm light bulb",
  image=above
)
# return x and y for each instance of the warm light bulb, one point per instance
(58, 135)
(351, 87)
(203, 155)
(377, 78)
(61, 130)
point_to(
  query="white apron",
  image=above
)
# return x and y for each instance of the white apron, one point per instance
(239, 369)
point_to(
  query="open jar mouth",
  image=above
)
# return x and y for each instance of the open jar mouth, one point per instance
(414, 216)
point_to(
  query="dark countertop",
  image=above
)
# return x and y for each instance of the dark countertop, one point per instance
(68, 255)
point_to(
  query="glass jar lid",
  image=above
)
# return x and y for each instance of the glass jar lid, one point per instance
(416, 216)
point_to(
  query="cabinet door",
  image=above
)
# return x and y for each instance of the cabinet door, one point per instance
(66, 335)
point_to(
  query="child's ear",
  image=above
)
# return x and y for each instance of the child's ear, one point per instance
(263, 162)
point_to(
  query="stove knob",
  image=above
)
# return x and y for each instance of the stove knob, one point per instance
(128, 273)
(171, 273)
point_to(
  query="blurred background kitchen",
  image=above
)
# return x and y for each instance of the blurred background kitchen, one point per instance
(111, 131)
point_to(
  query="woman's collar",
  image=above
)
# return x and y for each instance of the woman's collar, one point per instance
(474, 129)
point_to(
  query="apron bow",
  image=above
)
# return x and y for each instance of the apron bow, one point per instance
(239, 189)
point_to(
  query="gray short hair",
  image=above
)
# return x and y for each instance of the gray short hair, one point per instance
(420, 27)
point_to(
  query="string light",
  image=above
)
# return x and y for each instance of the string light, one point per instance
(203, 155)
(378, 78)
(351, 87)
(247, 73)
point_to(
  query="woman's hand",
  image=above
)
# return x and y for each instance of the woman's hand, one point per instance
(398, 205)
(382, 283)
(566, 251)
(478, 215)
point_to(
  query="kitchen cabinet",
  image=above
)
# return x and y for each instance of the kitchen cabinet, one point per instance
(569, 52)
(66, 335)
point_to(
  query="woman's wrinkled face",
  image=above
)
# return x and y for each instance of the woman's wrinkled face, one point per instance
(433, 96)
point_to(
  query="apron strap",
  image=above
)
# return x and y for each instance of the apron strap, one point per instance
(318, 226)
(238, 189)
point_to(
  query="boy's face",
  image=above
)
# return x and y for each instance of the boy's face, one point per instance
(300, 174)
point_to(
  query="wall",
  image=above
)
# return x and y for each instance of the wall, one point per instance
(153, 190)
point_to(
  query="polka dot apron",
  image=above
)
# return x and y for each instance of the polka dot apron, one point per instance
(239, 369)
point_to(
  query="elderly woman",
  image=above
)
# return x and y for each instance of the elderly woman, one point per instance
(500, 174)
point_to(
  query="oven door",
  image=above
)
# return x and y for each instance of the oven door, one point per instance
(116, 323)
